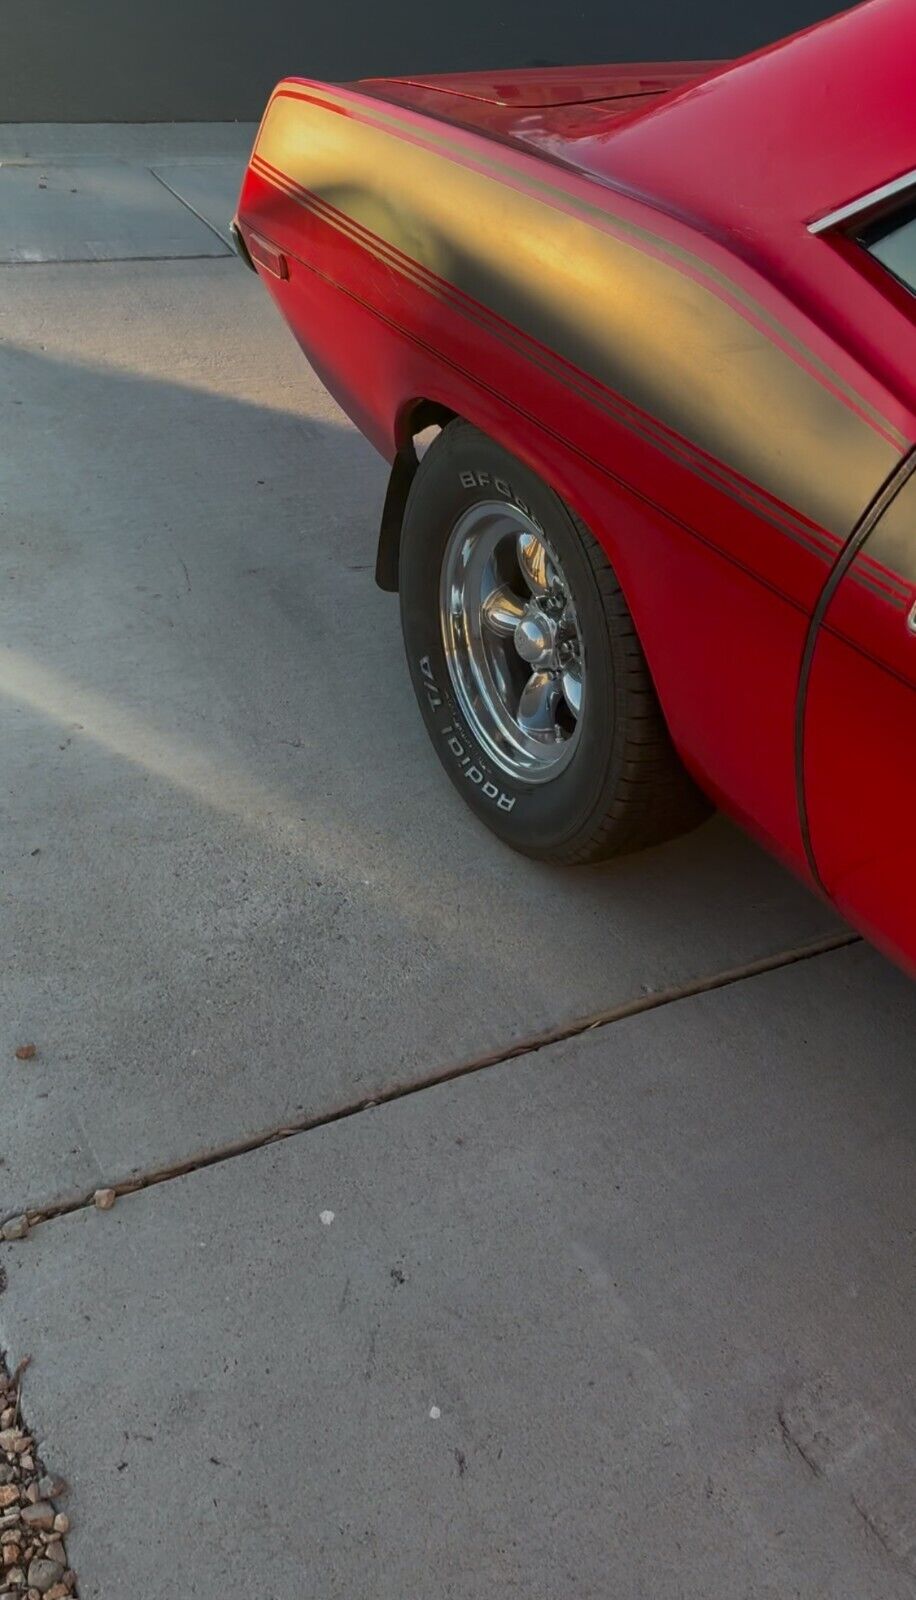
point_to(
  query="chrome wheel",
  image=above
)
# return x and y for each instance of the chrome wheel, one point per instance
(512, 641)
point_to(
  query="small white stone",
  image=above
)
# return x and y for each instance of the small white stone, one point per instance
(327, 1218)
(435, 1413)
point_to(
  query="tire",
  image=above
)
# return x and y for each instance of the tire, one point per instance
(591, 784)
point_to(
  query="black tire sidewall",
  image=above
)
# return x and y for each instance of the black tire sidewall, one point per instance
(464, 468)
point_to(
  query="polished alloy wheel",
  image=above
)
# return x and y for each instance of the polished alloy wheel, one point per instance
(512, 641)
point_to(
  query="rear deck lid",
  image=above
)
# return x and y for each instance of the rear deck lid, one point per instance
(538, 87)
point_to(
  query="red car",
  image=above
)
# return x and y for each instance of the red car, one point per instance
(639, 344)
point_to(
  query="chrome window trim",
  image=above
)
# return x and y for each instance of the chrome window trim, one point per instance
(864, 202)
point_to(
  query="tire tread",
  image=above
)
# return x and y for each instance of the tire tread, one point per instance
(654, 798)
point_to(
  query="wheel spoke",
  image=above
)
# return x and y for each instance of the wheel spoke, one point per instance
(571, 681)
(533, 560)
(502, 611)
(537, 707)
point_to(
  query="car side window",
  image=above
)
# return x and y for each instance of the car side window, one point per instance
(892, 241)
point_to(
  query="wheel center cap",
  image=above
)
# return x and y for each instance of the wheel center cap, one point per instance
(535, 638)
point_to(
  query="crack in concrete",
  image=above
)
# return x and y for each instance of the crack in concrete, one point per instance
(872, 1525)
(122, 261)
(193, 210)
(38, 1215)
(792, 1443)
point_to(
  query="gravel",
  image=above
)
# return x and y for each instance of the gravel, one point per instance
(39, 1516)
(43, 1573)
(33, 1560)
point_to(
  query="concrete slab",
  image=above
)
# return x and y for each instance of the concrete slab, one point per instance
(632, 1317)
(238, 888)
(64, 143)
(107, 211)
(209, 188)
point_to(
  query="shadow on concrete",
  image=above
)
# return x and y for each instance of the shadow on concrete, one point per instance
(238, 885)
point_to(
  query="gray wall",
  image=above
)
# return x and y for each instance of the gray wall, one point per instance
(163, 60)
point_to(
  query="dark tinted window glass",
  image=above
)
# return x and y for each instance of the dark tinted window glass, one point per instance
(893, 242)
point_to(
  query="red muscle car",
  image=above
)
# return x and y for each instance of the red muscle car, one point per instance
(639, 343)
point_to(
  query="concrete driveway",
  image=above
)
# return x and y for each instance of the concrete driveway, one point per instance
(584, 1265)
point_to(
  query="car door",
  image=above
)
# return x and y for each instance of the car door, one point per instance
(860, 730)
(857, 712)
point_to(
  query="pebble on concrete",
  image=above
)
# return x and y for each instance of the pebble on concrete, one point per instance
(16, 1228)
(104, 1199)
(26, 1052)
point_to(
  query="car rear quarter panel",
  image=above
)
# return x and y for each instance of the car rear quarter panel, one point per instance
(717, 442)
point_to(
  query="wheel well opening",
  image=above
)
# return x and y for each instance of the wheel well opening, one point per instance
(421, 417)
(417, 427)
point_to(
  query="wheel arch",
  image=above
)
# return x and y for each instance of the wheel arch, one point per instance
(415, 417)
(554, 462)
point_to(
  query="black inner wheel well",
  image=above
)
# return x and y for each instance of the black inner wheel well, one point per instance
(416, 420)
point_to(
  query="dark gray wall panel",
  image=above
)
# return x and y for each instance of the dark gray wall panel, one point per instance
(163, 60)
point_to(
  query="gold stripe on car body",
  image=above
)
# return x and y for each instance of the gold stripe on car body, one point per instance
(640, 325)
(892, 543)
(371, 110)
(676, 448)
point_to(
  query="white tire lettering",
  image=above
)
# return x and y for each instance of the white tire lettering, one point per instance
(472, 772)
(432, 693)
(483, 480)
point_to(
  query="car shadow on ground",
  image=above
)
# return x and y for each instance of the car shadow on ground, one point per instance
(239, 883)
